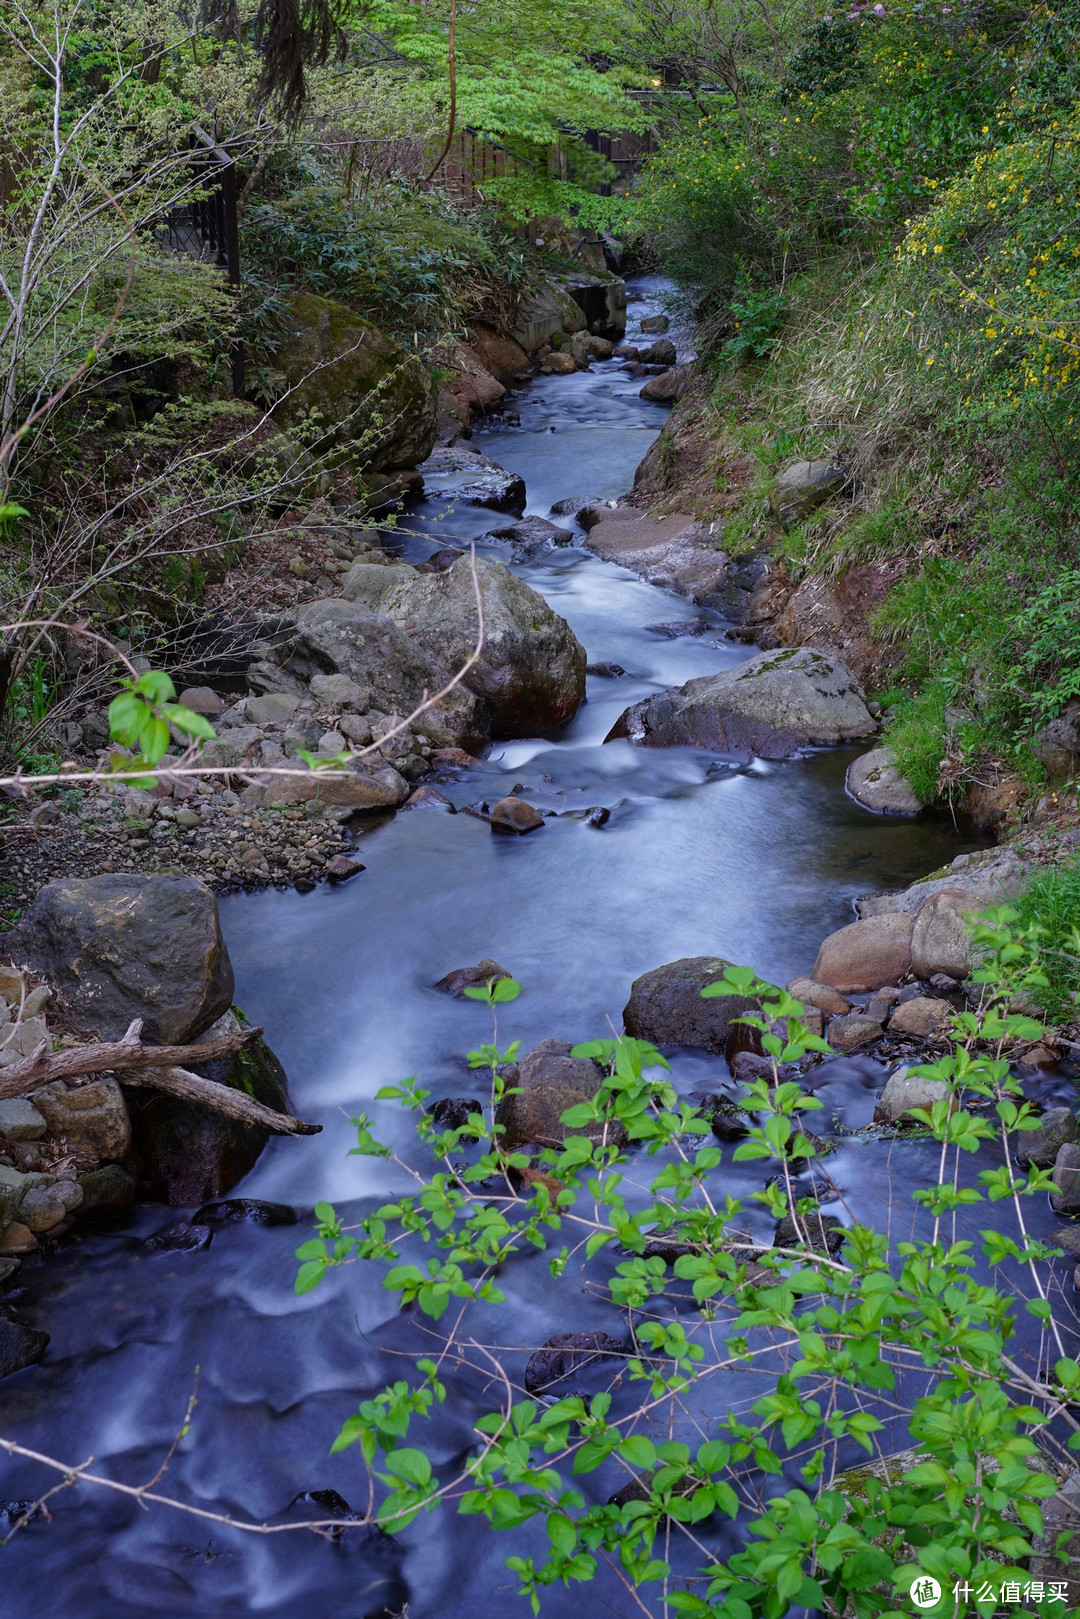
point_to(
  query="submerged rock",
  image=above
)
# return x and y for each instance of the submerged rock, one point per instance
(515, 815)
(566, 1354)
(468, 479)
(823, 1233)
(180, 1239)
(452, 1112)
(462, 978)
(252, 1209)
(771, 705)
(120, 947)
(666, 1005)
(874, 781)
(530, 535)
(19, 1346)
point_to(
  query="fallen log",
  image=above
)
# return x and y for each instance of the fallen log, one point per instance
(220, 1099)
(157, 1067)
(43, 1065)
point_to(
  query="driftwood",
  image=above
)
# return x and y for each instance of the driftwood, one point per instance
(160, 1067)
(220, 1099)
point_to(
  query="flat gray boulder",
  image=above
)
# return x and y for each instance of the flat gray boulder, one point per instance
(771, 705)
(904, 1090)
(119, 947)
(389, 669)
(666, 1005)
(1039, 1148)
(874, 781)
(803, 486)
(531, 669)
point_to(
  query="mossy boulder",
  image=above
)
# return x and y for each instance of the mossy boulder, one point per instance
(187, 1155)
(771, 705)
(356, 390)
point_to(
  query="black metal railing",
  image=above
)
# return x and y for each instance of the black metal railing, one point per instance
(207, 227)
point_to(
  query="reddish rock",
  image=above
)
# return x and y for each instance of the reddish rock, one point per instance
(852, 1031)
(501, 356)
(447, 757)
(866, 955)
(824, 611)
(922, 1018)
(462, 978)
(515, 815)
(340, 867)
(821, 996)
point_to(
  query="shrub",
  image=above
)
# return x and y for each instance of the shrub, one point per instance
(899, 1333)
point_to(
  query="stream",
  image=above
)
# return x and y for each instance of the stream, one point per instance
(702, 854)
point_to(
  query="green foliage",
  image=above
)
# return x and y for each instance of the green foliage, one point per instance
(758, 317)
(410, 261)
(141, 717)
(1050, 909)
(851, 1333)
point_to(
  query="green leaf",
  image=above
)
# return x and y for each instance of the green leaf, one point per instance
(186, 720)
(153, 739)
(411, 1465)
(127, 716)
(310, 1275)
(156, 686)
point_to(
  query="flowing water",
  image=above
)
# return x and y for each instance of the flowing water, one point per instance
(701, 855)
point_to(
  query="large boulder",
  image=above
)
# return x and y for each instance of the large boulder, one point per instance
(866, 955)
(676, 551)
(389, 668)
(531, 668)
(771, 705)
(666, 1005)
(187, 1155)
(667, 386)
(365, 394)
(119, 947)
(501, 356)
(548, 1080)
(941, 938)
(546, 309)
(874, 781)
(801, 487)
(369, 785)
